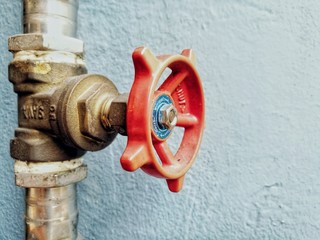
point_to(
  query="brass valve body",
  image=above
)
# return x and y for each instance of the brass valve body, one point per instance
(59, 110)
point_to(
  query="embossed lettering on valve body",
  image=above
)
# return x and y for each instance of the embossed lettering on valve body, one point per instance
(33, 111)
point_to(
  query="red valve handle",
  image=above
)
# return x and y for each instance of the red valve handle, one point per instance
(151, 112)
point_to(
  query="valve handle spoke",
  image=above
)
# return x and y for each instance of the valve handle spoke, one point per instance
(164, 152)
(134, 157)
(173, 81)
(186, 120)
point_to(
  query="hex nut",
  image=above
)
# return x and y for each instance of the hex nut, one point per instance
(80, 106)
(114, 116)
(168, 116)
(89, 107)
(44, 42)
(33, 145)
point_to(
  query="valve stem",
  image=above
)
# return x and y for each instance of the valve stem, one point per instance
(113, 115)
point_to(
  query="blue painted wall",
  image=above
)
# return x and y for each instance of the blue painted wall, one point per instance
(257, 174)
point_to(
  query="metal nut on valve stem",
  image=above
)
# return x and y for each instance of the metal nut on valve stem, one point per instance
(168, 116)
(81, 103)
(114, 115)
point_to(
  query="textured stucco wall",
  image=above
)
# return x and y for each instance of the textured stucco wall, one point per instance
(256, 176)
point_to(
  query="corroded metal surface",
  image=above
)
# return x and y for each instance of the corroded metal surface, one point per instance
(44, 42)
(49, 174)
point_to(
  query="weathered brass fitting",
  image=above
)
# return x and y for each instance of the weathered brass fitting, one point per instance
(79, 108)
(37, 76)
(58, 114)
(59, 107)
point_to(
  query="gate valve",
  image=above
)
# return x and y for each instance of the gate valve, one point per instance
(153, 113)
